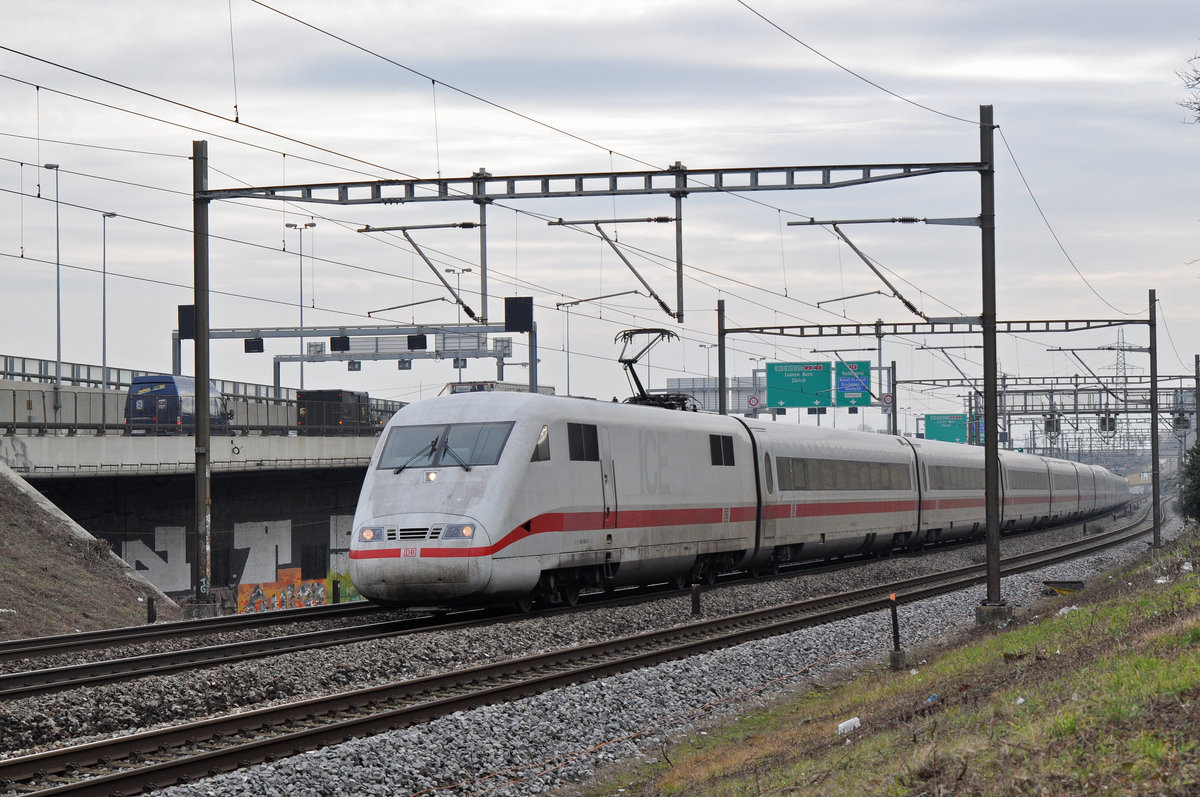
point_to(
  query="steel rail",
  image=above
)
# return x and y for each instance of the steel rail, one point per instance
(112, 637)
(206, 746)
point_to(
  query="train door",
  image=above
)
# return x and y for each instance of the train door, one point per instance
(768, 499)
(608, 481)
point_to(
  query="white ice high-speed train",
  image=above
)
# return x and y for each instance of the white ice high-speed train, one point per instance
(485, 497)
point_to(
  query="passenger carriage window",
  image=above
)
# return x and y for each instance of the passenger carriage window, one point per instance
(583, 443)
(541, 449)
(840, 475)
(784, 466)
(950, 477)
(721, 449)
(767, 471)
(800, 473)
(864, 476)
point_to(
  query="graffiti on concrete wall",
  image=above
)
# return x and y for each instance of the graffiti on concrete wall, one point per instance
(288, 592)
(171, 571)
(269, 544)
(270, 577)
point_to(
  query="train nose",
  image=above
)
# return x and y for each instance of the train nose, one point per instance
(409, 561)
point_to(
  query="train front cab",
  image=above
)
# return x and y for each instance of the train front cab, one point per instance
(430, 513)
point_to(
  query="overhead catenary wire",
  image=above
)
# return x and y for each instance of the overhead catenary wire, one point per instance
(902, 98)
(295, 140)
(233, 61)
(269, 149)
(649, 255)
(201, 111)
(773, 293)
(1053, 234)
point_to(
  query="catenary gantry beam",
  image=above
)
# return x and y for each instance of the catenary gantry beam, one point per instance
(677, 182)
(491, 188)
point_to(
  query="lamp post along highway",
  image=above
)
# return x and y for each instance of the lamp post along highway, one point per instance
(104, 217)
(458, 272)
(57, 298)
(300, 228)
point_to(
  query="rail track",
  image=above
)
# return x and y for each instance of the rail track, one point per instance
(28, 683)
(14, 649)
(160, 758)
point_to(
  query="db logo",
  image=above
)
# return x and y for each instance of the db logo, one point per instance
(410, 552)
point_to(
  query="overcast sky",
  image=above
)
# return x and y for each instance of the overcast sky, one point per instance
(1096, 175)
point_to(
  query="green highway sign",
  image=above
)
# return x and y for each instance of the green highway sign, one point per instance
(854, 383)
(951, 428)
(799, 385)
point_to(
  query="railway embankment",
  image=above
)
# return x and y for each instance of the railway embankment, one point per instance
(56, 578)
(1092, 692)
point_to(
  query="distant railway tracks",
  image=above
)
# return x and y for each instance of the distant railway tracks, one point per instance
(15, 649)
(159, 758)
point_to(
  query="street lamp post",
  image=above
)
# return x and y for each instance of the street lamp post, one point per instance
(458, 272)
(708, 347)
(57, 297)
(708, 358)
(104, 217)
(300, 232)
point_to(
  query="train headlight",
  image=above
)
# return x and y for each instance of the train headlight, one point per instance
(458, 531)
(371, 534)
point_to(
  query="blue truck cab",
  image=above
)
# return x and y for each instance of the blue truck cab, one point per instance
(164, 404)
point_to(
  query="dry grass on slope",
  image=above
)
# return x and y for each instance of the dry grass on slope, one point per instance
(53, 582)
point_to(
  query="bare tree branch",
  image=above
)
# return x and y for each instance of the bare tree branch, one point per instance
(1191, 81)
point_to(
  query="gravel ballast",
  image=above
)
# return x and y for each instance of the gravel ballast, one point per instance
(537, 744)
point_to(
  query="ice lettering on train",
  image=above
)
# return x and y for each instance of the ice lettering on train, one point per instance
(654, 461)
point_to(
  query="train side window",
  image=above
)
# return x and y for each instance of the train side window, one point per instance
(770, 476)
(799, 475)
(541, 449)
(721, 449)
(784, 464)
(583, 443)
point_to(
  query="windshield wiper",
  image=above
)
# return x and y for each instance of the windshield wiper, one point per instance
(447, 449)
(420, 452)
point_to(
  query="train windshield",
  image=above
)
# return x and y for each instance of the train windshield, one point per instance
(447, 445)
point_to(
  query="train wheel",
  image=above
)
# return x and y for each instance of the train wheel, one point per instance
(524, 603)
(680, 581)
(570, 594)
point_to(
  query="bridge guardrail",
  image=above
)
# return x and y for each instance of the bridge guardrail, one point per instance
(44, 410)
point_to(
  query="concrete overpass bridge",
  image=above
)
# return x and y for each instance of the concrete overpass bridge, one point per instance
(88, 437)
(282, 502)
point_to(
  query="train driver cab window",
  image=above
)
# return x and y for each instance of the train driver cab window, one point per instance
(444, 445)
(541, 449)
(720, 446)
(583, 444)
